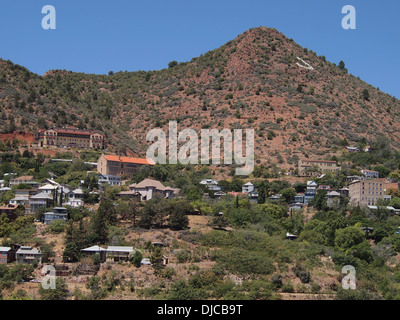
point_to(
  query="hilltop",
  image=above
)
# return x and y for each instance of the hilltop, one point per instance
(299, 103)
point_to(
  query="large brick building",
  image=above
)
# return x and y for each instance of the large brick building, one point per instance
(366, 192)
(71, 138)
(118, 166)
(308, 167)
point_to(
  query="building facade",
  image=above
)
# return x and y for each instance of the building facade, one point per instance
(28, 255)
(119, 166)
(71, 138)
(308, 167)
(367, 192)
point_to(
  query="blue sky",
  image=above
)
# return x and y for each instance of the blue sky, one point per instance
(99, 36)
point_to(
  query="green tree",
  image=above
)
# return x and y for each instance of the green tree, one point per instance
(349, 237)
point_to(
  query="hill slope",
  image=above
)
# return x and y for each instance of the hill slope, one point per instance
(260, 80)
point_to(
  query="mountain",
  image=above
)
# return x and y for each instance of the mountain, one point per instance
(298, 103)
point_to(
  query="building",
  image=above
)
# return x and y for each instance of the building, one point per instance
(93, 250)
(9, 210)
(367, 192)
(149, 188)
(308, 167)
(28, 255)
(109, 179)
(332, 199)
(248, 187)
(75, 198)
(58, 213)
(353, 149)
(118, 253)
(129, 194)
(20, 180)
(370, 174)
(7, 255)
(71, 138)
(119, 166)
(23, 201)
(40, 200)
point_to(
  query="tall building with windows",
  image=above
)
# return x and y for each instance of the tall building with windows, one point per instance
(117, 166)
(71, 138)
(366, 192)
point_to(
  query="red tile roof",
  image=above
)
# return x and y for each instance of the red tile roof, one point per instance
(129, 160)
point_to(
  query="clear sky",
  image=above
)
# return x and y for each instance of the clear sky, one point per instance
(100, 36)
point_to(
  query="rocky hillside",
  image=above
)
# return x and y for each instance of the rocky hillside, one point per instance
(298, 103)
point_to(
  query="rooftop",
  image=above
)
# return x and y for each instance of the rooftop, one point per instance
(129, 160)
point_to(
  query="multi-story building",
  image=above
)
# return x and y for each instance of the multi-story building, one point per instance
(7, 255)
(149, 188)
(58, 213)
(109, 179)
(308, 167)
(119, 166)
(367, 192)
(71, 138)
(28, 255)
(370, 173)
(20, 180)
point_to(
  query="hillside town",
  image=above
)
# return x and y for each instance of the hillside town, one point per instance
(126, 190)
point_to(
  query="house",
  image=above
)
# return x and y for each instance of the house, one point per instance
(20, 180)
(211, 184)
(253, 196)
(353, 178)
(248, 187)
(308, 167)
(370, 174)
(149, 187)
(25, 192)
(208, 182)
(9, 210)
(118, 166)
(7, 255)
(332, 199)
(130, 194)
(118, 253)
(48, 188)
(353, 149)
(299, 198)
(366, 192)
(93, 250)
(109, 180)
(58, 213)
(367, 149)
(71, 138)
(312, 186)
(40, 200)
(2, 183)
(275, 197)
(75, 198)
(23, 201)
(219, 194)
(76, 194)
(28, 255)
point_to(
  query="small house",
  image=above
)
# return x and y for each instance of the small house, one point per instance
(58, 213)
(28, 255)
